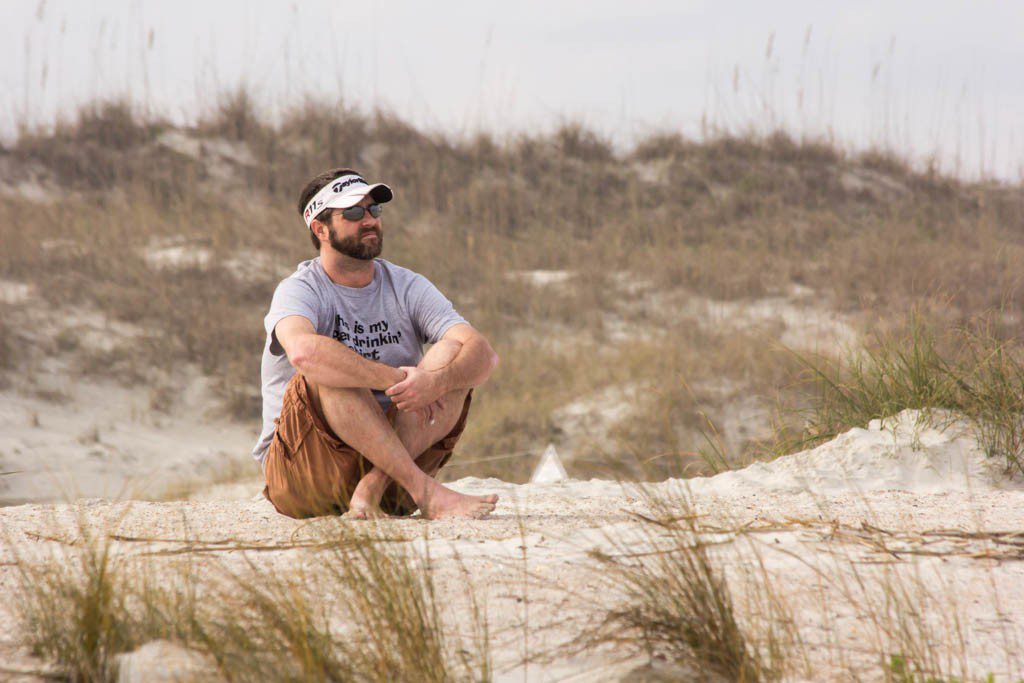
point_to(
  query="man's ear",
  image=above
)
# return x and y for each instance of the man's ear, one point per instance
(319, 229)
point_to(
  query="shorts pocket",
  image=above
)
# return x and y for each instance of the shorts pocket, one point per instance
(292, 429)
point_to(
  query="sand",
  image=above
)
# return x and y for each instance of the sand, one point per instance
(89, 438)
(900, 503)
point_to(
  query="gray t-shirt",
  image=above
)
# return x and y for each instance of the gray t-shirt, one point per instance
(388, 321)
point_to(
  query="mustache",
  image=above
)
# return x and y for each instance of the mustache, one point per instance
(369, 231)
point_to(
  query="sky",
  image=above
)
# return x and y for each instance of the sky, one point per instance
(930, 80)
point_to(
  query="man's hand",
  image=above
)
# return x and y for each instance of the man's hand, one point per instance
(417, 391)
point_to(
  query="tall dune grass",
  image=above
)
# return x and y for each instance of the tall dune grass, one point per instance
(675, 602)
(730, 218)
(971, 371)
(355, 610)
(702, 595)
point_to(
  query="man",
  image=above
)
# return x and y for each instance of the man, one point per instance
(356, 418)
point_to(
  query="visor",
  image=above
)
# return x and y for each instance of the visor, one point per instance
(343, 192)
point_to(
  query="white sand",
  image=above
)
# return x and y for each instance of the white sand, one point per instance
(541, 278)
(84, 438)
(12, 292)
(905, 452)
(804, 517)
(178, 256)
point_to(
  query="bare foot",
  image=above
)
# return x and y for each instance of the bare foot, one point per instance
(442, 502)
(358, 510)
(365, 500)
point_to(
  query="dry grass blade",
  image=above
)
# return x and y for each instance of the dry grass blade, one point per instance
(359, 607)
(70, 609)
(891, 542)
(676, 601)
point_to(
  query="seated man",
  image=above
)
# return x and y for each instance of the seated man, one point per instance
(356, 418)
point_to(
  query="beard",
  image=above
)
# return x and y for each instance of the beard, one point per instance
(354, 246)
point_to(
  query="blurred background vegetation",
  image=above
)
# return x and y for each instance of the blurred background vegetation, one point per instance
(654, 308)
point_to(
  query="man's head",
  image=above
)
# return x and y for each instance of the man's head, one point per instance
(327, 199)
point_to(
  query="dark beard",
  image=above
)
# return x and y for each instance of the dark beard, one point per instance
(355, 247)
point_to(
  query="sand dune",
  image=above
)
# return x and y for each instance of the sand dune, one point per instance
(903, 500)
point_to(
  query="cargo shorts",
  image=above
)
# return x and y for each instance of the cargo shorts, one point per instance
(309, 471)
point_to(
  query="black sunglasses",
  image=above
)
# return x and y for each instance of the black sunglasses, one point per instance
(355, 213)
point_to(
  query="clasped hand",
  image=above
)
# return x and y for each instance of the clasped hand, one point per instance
(420, 392)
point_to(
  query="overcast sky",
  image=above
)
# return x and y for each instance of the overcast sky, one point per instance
(923, 77)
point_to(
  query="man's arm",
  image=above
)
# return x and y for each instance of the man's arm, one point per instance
(474, 363)
(440, 355)
(327, 361)
(471, 367)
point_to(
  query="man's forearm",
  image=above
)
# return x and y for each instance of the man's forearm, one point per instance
(440, 355)
(332, 364)
(471, 366)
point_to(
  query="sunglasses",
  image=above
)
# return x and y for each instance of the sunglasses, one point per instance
(355, 213)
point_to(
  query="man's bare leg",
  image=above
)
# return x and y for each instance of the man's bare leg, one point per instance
(355, 416)
(417, 436)
(416, 433)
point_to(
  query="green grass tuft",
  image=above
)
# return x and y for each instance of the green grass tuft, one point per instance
(970, 371)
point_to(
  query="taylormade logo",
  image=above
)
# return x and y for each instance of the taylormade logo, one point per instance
(342, 184)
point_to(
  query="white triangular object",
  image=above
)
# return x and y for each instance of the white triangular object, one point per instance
(549, 469)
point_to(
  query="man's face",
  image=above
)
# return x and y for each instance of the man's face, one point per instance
(361, 239)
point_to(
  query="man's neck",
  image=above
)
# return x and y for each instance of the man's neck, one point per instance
(345, 270)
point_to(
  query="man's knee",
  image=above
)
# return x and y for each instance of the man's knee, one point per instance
(454, 402)
(457, 398)
(421, 436)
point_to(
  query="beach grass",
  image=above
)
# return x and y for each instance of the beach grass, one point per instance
(73, 614)
(973, 371)
(676, 603)
(151, 233)
(703, 598)
(358, 607)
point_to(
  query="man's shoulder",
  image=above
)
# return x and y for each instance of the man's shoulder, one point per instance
(395, 269)
(399, 276)
(303, 282)
(304, 272)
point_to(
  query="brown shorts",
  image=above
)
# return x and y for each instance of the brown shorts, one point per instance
(309, 471)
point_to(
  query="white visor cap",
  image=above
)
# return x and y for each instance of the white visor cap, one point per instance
(343, 192)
